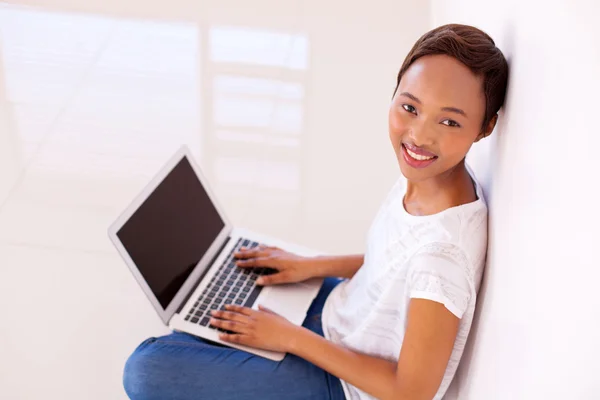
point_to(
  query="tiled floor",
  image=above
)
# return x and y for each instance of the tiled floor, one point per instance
(283, 104)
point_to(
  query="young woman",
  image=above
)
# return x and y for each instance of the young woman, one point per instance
(396, 326)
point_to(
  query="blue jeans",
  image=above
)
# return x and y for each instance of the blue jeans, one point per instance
(180, 366)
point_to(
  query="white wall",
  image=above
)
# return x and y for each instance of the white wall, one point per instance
(537, 330)
(10, 152)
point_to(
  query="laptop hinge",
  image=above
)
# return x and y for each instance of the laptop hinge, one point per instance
(217, 254)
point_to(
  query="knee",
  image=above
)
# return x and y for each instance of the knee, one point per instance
(139, 373)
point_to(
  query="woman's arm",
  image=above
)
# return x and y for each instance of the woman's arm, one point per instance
(293, 268)
(426, 349)
(336, 266)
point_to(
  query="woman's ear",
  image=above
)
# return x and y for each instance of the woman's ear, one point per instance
(488, 129)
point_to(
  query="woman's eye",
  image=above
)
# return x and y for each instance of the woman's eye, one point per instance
(449, 122)
(409, 108)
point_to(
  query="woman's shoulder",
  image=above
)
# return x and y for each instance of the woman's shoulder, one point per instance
(467, 223)
(456, 225)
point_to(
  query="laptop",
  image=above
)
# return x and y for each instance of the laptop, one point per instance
(180, 246)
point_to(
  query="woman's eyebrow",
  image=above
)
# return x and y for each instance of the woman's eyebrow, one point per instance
(411, 96)
(449, 109)
(455, 110)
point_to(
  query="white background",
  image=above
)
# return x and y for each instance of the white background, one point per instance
(537, 328)
(284, 104)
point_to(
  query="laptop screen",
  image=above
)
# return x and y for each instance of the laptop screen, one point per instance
(169, 233)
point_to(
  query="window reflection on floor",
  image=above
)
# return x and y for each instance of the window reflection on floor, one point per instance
(259, 46)
(258, 117)
(108, 100)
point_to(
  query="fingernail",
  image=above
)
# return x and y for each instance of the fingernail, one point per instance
(260, 281)
(213, 320)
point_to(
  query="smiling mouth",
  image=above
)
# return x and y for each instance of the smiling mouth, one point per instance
(416, 160)
(418, 157)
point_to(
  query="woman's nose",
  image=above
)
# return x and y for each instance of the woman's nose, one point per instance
(420, 135)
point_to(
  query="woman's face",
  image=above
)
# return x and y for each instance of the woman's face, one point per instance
(436, 116)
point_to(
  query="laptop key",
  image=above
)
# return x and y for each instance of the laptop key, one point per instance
(239, 301)
(205, 321)
(253, 295)
(194, 320)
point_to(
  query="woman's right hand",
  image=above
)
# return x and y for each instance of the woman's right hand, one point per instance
(291, 268)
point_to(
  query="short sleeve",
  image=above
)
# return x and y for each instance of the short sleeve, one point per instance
(438, 272)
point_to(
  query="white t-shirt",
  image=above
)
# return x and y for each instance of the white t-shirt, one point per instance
(436, 257)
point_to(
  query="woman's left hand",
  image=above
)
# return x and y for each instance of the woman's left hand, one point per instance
(262, 329)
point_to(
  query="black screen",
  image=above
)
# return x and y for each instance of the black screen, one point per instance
(169, 233)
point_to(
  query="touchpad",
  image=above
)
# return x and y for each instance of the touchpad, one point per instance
(290, 301)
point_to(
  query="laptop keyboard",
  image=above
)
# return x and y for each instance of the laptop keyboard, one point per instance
(230, 285)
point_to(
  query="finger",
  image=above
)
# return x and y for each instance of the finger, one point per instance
(274, 279)
(239, 309)
(231, 326)
(245, 263)
(259, 248)
(233, 338)
(246, 253)
(252, 252)
(230, 316)
(256, 262)
(265, 309)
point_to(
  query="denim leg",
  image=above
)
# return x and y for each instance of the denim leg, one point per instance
(183, 367)
(313, 315)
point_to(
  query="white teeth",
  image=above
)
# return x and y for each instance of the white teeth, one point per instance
(417, 156)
